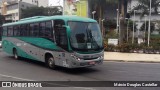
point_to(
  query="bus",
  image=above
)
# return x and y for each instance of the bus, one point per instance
(67, 41)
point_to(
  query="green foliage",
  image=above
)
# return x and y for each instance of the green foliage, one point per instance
(112, 34)
(2, 19)
(155, 40)
(144, 5)
(99, 6)
(53, 11)
(125, 47)
(110, 23)
(110, 48)
(40, 11)
(129, 47)
(33, 11)
(131, 25)
(143, 26)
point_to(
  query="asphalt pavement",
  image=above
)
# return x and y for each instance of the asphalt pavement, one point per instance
(26, 70)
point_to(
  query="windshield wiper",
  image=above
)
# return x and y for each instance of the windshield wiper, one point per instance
(93, 41)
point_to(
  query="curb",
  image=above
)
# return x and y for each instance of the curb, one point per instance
(131, 61)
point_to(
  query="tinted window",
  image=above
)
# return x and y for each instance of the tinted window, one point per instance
(16, 31)
(0, 33)
(34, 29)
(85, 36)
(4, 31)
(23, 30)
(42, 29)
(48, 31)
(10, 31)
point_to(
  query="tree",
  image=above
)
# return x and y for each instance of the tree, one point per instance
(99, 6)
(53, 11)
(33, 11)
(158, 25)
(40, 11)
(143, 27)
(144, 5)
(108, 23)
(2, 19)
(130, 25)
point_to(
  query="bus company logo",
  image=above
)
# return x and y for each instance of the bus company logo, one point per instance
(6, 84)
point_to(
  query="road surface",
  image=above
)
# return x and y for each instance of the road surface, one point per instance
(25, 70)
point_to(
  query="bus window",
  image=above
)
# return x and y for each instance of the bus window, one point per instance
(34, 29)
(4, 31)
(60, 34)
(16, 31)
(49, 31)
(42, 29)
(10, 31)
(23, 31)
(27, 30)
(0, 33)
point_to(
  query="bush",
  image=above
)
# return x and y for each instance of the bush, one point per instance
(110, 48)
(129, 47)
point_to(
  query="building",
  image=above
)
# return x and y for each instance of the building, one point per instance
(44, 3)
(11, 9)
(39, 3)
(0, 7)
(76, 7)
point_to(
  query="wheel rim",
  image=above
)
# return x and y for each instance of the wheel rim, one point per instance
(51, 62)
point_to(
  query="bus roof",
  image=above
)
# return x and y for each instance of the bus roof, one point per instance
(47, 18)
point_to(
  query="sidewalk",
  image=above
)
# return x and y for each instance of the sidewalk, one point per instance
(131, 57)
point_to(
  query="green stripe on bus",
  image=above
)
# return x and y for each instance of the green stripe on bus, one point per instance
(9, 49)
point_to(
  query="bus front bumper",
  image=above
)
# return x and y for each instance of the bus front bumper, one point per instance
(86, 63)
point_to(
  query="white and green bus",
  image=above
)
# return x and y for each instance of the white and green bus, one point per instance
(67, 41)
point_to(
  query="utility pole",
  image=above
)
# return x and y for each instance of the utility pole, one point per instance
(133, 27)
(149, 26)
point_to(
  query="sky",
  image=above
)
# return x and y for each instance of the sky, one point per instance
(56, 2)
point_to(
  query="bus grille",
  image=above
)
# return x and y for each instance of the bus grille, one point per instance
(90, 58)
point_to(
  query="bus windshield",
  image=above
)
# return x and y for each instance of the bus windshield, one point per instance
(85, 36)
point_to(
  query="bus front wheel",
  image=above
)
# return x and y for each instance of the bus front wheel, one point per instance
(15, 54)
(50, 62)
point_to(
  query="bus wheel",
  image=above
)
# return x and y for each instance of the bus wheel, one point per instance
(15, 54)
(50, 62)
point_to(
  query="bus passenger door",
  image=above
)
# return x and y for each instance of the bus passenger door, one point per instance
(60, 34)
(61, 38)
(62, 43)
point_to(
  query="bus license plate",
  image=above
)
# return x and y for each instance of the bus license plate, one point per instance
(92, 63)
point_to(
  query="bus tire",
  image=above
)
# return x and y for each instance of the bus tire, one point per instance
(15, 54)
(50, 62)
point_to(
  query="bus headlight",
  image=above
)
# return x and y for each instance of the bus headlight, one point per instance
(75, 57)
